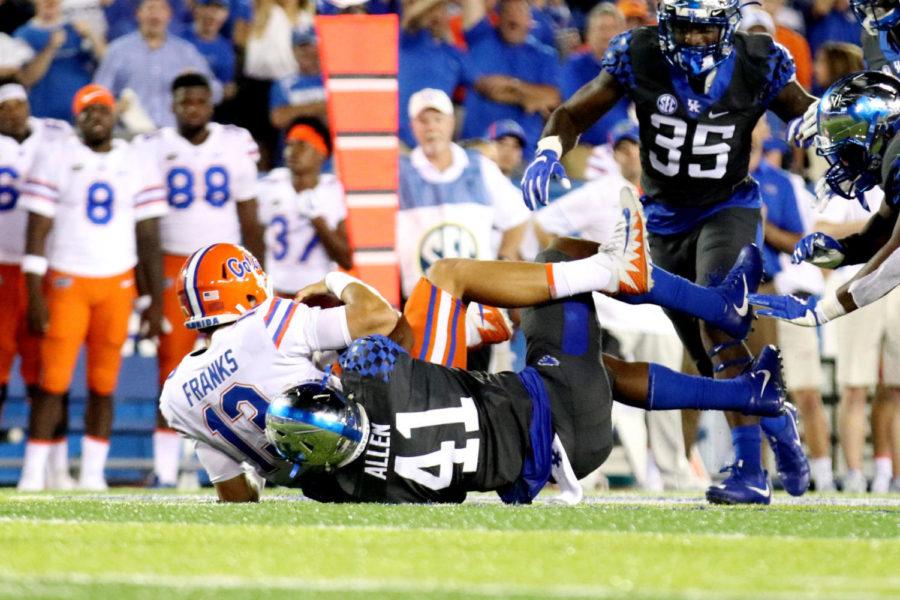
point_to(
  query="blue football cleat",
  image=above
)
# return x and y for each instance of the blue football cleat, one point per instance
(766, 387)
(793, 469)
(741, 487)
(742, 280)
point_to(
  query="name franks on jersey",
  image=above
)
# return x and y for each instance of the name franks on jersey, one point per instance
(378, 451)
(215, 374)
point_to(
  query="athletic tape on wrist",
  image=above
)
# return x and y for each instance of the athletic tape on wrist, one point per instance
(32, 263)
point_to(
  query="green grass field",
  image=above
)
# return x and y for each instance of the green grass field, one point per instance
(136, 544)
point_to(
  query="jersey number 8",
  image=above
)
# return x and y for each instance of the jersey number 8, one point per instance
(180, 183)
(699, 147)
(100, 203)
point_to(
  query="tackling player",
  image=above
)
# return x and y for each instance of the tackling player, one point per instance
(303, 211)
(22, 137)
(210, 175)
(859, 135)
(94, 208)
(699, 87)
(217, 397)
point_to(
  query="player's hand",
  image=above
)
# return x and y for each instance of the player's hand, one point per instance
(314, 289)
(802, 131)
(536, 180)
(152, 321)
(38, 315)
(819, 249)
(787, 308)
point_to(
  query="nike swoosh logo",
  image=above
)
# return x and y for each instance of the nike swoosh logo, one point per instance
(766, 491)
(713, 115)
(766, 377)
(743, 308)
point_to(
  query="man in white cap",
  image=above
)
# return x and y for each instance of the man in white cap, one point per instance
(451, 199)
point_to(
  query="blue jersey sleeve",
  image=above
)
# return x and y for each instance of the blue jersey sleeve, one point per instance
(617, 60)
(781, 71)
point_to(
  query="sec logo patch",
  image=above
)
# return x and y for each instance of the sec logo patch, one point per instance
(447, 240)
(667, 104)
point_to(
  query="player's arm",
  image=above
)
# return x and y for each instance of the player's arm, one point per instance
(335, 241)
(879, 231)
(251, 228)
(792, 101)
(232, 482)
(879, 275)
(34, 265)
(578, 113)
(150, 262)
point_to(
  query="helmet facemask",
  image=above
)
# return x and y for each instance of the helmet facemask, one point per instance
(682, 22)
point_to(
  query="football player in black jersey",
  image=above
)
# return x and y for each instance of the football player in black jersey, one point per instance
(404, 430)
(859, 135)
(881, 38)
(699, 86)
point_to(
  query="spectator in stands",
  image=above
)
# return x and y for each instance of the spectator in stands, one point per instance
(831, 21)
(868, 341)
(763, 21)
(303, 212)
(529, 88)
(634, 12)
(89, 12)
(269, 57)
(303, 94)
(787, 209)
(833, 61)
(604, 23)
(14, 14)
(508, 139)
(14, 54)
(148, 61)
(65, 58)
(120, 16)
(450, 198)
(427, 58)
(205, 34)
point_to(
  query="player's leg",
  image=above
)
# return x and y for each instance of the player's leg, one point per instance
(11, 313)
(107, 332)
(173, 346)
(803, 379)
(67, 303)
(859, 337)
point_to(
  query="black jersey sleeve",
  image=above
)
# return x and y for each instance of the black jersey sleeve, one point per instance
(780, 68)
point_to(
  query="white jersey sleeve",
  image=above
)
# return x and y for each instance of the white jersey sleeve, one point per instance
(40, 190)
(246, 155)
(509, 210)
(299, 330)
(219, 466)
(590, 211)
(150, 201)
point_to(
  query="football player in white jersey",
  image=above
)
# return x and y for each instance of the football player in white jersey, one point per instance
(259, 345)
(21, 138)
(303, 212)
(94, 206)
(210, 176)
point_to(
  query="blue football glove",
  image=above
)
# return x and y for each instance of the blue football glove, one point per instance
(802, 131)
(536, 180)
(819, 249)
(788, 308)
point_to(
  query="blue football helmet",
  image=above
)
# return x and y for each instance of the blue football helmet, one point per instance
(315, 426)
(858, 115)
(876, 15)
(678, 17)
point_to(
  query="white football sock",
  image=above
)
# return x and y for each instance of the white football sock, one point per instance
(822, 473)
(34, 466)
(884, 471)
(58, 476)
(93, 460)
(166, 456)
(597, 273)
